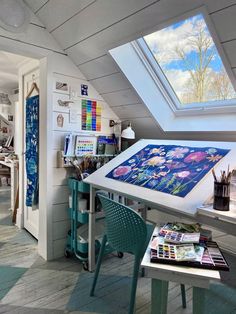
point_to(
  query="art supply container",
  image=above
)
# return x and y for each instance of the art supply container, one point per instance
(233, 186)
(221, 196)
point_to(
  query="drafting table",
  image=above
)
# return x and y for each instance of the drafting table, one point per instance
(186, 207)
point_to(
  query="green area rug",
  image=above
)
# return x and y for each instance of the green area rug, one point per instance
(8, 278)
(112, 294)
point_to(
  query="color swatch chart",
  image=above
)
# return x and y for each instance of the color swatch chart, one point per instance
(91, 115)
(213, 257)
(85, 146)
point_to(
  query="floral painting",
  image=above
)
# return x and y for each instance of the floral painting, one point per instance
(168, 168)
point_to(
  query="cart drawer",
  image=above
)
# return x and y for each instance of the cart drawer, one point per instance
(78, 186)
(82, 246)
(81, 217)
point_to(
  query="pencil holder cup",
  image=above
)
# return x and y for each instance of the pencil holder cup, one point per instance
(221, 196)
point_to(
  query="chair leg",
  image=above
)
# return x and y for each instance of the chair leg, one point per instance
(100, 256)
(134, 284)
(183, 295)
(142, 272)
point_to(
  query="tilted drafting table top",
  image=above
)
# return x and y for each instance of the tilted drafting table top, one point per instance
(186, 205)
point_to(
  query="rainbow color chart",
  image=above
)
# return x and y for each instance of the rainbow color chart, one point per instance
(91, 115)
(85, 145)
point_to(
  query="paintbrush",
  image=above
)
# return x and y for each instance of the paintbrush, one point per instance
(214, 175)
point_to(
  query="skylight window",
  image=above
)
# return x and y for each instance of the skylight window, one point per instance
(187, 56)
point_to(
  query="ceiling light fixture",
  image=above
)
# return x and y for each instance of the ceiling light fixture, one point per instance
(14, 15)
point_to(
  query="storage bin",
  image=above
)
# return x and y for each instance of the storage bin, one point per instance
(82, 203)
(82, 246)
(79, 186)
(81, 217)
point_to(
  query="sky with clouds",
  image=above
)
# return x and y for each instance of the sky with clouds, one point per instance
(164, 43)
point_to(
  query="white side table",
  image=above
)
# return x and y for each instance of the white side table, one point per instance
(161, 274)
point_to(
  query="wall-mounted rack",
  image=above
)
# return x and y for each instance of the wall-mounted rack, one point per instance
(65, 161)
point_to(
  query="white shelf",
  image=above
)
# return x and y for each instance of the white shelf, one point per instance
(88, 155)
(62, 164)
(230, 215)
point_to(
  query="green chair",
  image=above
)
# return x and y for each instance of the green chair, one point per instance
(126, 231)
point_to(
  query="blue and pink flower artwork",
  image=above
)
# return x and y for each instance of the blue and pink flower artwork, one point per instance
(169, 169)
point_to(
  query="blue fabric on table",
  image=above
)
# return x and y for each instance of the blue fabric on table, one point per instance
(32, 149)
(169, 169)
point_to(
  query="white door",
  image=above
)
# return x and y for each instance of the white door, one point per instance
(31, 214)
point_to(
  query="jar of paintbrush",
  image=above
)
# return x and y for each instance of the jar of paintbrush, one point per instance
(222, 190)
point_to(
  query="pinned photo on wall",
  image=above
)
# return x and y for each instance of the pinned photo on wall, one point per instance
(73, 116)
(10, 118)
(84, 90)
(64, 103)
(60, 120)
(62, 87)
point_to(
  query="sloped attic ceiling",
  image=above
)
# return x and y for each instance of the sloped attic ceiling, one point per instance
(88, 29)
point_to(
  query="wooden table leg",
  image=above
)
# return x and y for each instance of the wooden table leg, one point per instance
(159, 296)
(198, 300)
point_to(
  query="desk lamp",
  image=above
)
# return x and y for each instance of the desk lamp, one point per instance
(127, 133)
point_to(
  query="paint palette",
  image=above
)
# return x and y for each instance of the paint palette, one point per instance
(176, 252)
(213, 257)
(179, 237)
(206, 255)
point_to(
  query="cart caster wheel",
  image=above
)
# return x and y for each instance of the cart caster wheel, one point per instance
(85, 266)
(120, 254)
(67, 253)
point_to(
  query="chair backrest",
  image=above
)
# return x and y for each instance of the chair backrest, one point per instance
(126, 231)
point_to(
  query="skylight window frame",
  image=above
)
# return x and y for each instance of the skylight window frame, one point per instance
(146, 55)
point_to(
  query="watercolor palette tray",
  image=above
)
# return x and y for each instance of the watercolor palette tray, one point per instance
(179, 237)
(176, 252)
(210, 256)
(213, 256)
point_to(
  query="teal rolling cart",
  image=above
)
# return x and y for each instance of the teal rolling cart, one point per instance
(74, 246)
(78, 218)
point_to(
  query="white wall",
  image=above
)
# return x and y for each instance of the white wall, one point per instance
(6, 110)
(60, 68)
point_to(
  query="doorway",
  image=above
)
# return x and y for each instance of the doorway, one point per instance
(12, 140)
(31, 212)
